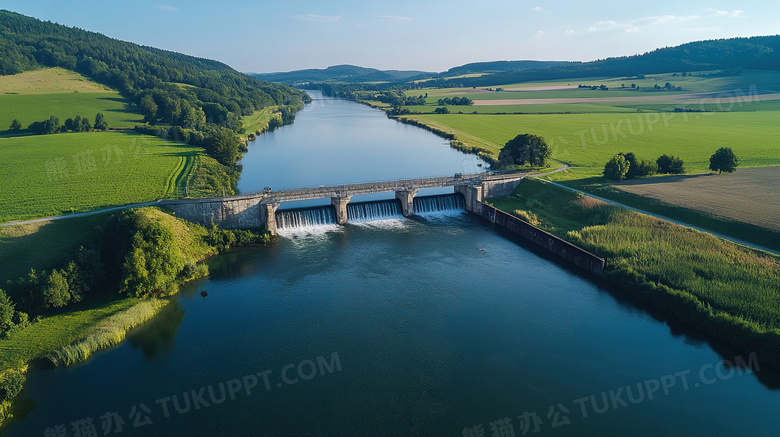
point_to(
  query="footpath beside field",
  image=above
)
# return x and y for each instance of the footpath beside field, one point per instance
(750, 195)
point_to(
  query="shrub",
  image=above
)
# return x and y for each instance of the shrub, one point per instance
(639, 167)
(670, 165)
(616, 168)
(11, 383)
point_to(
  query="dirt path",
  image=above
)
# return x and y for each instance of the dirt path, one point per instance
(750, 195)
(725, 237)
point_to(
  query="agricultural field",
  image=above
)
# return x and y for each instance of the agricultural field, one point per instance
(587, 141)
(63, 173)
(750, 195)
(37, 95)
(699, 92)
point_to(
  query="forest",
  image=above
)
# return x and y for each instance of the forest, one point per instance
(168, 88)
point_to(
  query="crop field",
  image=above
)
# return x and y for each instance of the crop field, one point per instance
(37, 95)
(56, 174)
(751, 195)
(587, 141)
(50, 81)
(39, 107)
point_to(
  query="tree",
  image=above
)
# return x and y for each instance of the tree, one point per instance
(442, 110)
(148, 108)
(525, 149)
(616, 168)
(223, 145)
(6, 312)
(153, 262)
(56, 293)
(16, 126)
(639, 167)
(100, 122)
(668, 164)
(84, 125)
(724, 159)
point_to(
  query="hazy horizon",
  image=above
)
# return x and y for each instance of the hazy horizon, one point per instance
(264, 37)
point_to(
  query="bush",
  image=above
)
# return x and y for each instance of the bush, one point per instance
(152, 263)
(670, 165)
(11, 383)
(639, 167)
(616, 168)
(6, 312)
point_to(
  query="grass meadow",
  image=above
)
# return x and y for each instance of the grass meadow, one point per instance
(55, 332)
(57, 174)
(43, 245)
(587, 141)
(37, 95)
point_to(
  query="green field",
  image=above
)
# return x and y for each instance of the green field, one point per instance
(54, 174)
(259, 120)
(37, 95)
(43, 245)
(587, 141)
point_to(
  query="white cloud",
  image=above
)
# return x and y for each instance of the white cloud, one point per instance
(539, 34)
(538, 9)
(166, 8)
(636, 25)
(569, 32)
(736, 13)
(317, 18)
(397, 18)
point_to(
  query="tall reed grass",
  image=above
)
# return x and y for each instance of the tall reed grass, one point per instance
(107, 333)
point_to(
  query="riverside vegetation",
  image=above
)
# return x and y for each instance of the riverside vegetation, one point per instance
(108, 286)
(730, 291)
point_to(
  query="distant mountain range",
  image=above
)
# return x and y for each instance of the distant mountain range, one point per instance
(340, 73)
(759, 53)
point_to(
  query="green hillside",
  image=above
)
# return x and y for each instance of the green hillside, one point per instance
(215, 94)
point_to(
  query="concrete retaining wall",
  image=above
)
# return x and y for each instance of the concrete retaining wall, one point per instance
(227, 213)
(562, 248)
(499, 188)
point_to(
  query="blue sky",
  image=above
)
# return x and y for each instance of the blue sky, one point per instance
(264, 36)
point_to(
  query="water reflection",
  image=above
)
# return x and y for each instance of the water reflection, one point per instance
(157, 338)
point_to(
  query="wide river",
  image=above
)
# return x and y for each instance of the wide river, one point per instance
(434, 325)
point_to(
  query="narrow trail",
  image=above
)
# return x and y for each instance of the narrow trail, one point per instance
(80, 214)
(724, 237)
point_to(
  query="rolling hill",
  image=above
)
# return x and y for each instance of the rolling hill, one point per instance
(221, 93)
(340, 73)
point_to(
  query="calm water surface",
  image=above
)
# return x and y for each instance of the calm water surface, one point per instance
(437, 325)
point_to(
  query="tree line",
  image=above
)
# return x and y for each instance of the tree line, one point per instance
(629, 166)
(52, 125)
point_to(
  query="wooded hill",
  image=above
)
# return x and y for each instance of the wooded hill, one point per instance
(170, 88)
(341, 73)
(755, 53)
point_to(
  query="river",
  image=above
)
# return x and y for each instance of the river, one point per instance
(435, 325)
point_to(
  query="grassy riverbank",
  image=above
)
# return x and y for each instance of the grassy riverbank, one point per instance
(727, 290)
(73, 333)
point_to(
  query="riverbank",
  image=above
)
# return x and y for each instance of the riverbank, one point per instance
(726, 290)
(72, 334)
